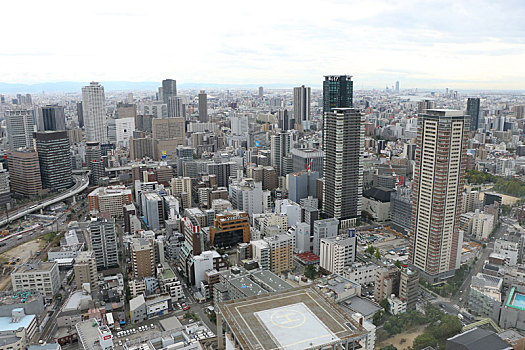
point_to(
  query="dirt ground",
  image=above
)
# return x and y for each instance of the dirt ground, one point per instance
(407, 336)
(24, 251)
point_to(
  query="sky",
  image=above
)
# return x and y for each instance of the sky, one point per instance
(459, 44)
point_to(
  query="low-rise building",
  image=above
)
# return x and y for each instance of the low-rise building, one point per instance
(485, 295)
(336, 253)
(17, 330)
(362, 273)
(110, 200)
(42, 277)
(137, 309)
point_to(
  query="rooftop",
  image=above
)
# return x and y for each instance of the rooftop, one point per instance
(479, 339)
(6, 323)
(298, 318)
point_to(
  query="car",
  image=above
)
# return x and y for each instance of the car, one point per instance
(152, 326)
(134, 331)
(120, 342)
(186, 308)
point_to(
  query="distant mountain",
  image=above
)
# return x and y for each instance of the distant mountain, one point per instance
(65, 86)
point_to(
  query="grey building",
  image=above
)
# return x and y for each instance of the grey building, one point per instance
(343, 163)
(324, 229)
(304, 159)
(51, 117)
(103, 238)
(473, 111)
(94, 162)
(401, 208)
(477, 339)
(169, 89)
(301, 104)
(20, 128)
(203, 107)
(222, 171)
(280, 147)
(42, 277)
(301, 185)
(54, 157)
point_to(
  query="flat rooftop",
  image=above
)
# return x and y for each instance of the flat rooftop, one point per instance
(299, 318)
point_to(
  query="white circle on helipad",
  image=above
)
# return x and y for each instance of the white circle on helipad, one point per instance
(288, 318)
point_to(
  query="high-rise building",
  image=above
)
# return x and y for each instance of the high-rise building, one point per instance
(24, 170)
(473, 112)
(80, 115)
(285, 120)
(280, 147)
(55, 159)
(5, 188)
(94, 162)
(51, 117)
(439, 177)
(142, 258)
(281, 252)
(103, 238)
(94, 112)
(397, 86)
(227, 230)
(169, 89)
(343, 141)
(338, 92)
(261, 92)
(336, 253)
(176, 107)
(20, 128)
(409, 288)
(203, 107)
(301, 104)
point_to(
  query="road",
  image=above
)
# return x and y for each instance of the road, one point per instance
(81, 183)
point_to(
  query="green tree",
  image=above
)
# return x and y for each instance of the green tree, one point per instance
(398, 263)
(385, 304)
(424, 340)
(370, 249)
(377, 254)
(388, 347)
(310, 271)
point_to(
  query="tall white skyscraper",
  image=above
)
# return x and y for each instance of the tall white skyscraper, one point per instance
(94, 112)
(301, 104)
(20, 128)
(439, 178)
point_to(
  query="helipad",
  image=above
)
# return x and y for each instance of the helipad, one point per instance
(299, 318)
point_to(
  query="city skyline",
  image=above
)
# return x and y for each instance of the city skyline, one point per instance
(423, 45)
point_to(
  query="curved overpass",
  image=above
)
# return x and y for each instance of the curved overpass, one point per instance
(81, 183)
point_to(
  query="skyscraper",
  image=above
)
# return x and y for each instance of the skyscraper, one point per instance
(203, 107)
(301, 104)
(338, 92)
(20, 128)
(103, 237)
(94, 112)
(55, 159)
(169, 89)
(24, 171)
(439, 176)
(280, 147)
(397, 86)
(343, 143)
(176, 107)
(94, 162)
(261, 92)
(473, 112)
(51, 117)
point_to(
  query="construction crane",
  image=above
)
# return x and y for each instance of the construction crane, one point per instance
(399, 178)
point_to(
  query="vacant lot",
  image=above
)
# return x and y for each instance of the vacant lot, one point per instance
(24, 251)
(404, 340)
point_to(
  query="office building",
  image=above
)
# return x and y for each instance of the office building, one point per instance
(229, 229)
(85, 269)
(266, 320)
(473, 111)
(124, 128)
(343, 163)
(439, 177)
(323, 229)
(20, 128)
(167, 134)
(422, 106)
(42, 277)
(103, 239)
(409, 288)
(401, 208)
(94, 162)
(54, 156)
(280, 148)
(338, 92)
(386, 283)
(142, 258)
(301, 185)
(94, 112)
(140, 148)
(301, 104)
(5, 186)
(51, 117)
(336, 253)
(109, 200)
(17, 330)
(222, 171)
(248, 196)
(307, 159)
(24, 172)
(152, 210)
(261, 92)
(176, 107)
(203, 107)
(281, 252)
(169, 89)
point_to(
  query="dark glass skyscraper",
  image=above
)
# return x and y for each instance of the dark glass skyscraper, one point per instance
(338, 92)
(473, 111)
(54, 157)
(169, 89)
(51, 118)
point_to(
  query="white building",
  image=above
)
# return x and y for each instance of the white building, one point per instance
(261, 253)
(291, 209)
(43, 278)
(336, 253)
(201, 264)
(302, 237)
(124, 130)
(510, 250)
(361, 273)
(396, 305)
(482, 225)
(20, 128)
(247, 196)
(94, 112)
(371, 329)
(324, 229)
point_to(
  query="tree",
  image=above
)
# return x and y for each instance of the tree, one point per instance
(385, 304)
(398, 263)
(377, 254)
(370, 249)
(310, 271)
(388, 347)
(378, 317)
(424, 340)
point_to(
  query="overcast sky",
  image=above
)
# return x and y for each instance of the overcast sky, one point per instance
(456, 44)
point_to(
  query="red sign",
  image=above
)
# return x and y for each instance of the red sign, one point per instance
(107, 337)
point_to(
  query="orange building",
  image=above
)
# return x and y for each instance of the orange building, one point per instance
(230, 229)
